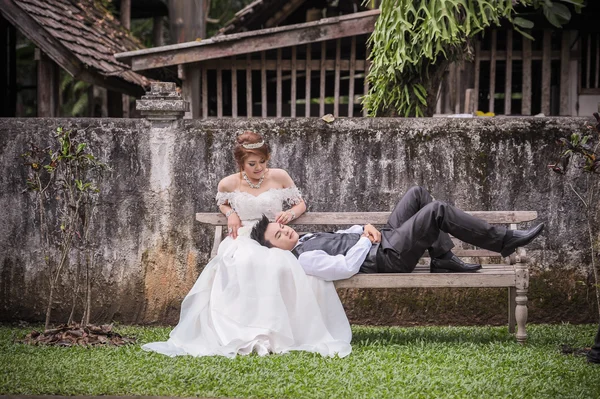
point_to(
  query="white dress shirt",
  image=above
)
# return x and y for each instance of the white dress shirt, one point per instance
(320, 264)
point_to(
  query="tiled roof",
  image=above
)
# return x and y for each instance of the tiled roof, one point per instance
(89, 31)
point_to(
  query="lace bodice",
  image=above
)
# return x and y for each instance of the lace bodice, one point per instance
(251, 208)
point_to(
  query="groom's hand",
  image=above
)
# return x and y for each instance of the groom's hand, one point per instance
(372, 233)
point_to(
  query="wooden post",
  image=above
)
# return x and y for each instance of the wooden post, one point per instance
(308, 80)
(452, 87)
(187, 22)
(126, 14)
(597, 86)
(475, 99)
(190, 87)
(263, 84)
(458, 86)
(8, 69)
(526, 101)
(493, 70)
(47, 88)
(126, 22)
(508, 79)
(322, 79)
(564, 72)
(336, 91)
(278, 88)
(219, 91)
(588, 60)
(234, 98)
(293, 88)
(366, 82)
(204, 92)
(249, 85)
(351, 77)
(158, 32)
(468, 101)
(546, 71)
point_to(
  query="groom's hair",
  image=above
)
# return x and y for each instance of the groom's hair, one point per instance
(258, 232)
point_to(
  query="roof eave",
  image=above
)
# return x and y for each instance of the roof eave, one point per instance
(246, 42)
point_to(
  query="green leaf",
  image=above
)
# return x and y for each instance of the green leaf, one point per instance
(525, 34)
(523, 23)
(552, 17)
(575, 2)
(562, 12)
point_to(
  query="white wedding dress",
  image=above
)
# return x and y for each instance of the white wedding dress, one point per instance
(254, 299)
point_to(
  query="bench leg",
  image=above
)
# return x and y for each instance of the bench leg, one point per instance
(522, 286)
(521, 315)
(512, 304)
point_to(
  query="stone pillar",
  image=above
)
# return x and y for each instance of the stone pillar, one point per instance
(164, 108)
(162, 103)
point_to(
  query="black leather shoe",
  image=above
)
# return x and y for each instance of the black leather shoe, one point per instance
(519, 238)
(452, 265)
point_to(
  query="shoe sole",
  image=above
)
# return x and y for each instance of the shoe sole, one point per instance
(453, 271)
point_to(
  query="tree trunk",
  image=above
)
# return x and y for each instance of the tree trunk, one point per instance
(126, 14)
(436, 72)
(49, 307)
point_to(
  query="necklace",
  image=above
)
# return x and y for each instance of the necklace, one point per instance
(252, 185)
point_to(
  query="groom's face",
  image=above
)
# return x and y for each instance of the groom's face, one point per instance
(281, 236)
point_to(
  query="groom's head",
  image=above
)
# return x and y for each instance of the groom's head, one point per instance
(274, 234)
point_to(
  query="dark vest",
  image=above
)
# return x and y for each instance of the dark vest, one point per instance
(338, 244)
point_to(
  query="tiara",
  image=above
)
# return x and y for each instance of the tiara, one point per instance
(253, 146)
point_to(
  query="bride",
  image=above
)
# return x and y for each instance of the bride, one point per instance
(250, 298)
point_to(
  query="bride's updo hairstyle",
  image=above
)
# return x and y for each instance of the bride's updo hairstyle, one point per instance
(249, 143)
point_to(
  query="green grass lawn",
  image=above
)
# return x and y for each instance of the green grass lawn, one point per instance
(386, 362)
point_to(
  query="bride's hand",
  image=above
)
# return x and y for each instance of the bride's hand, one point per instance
(284, 217)
(233, 224)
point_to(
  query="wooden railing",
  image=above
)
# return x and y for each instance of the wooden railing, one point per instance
(328, 73)
(590, 64)
(525, 69)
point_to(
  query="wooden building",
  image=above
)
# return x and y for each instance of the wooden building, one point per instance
(78, 36)
(273, 60)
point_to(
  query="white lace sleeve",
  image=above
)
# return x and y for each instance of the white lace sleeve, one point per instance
(224, 197)
(291, 195)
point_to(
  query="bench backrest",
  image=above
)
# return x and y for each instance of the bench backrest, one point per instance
(376, 218)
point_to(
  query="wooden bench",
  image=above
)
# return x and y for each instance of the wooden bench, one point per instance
(513, 274)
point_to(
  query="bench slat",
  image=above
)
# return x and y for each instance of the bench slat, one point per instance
(494, 267)
(417, 280)
(345, 218)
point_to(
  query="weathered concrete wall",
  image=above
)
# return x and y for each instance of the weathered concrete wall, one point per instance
(153, 250)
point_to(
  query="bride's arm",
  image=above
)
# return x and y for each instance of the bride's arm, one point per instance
(298, 207)
(233, 220)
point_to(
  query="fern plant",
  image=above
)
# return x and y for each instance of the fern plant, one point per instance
(414, 40)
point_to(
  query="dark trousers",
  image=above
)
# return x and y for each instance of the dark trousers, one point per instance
(418, 223)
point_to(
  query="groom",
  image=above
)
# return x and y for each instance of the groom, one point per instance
(417, 223)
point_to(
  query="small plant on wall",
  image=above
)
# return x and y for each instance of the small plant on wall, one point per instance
(64, 182)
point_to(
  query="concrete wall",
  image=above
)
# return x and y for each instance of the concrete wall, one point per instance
(152, 250)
